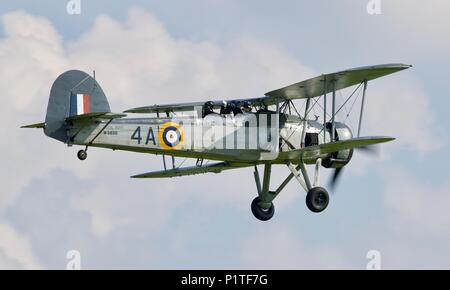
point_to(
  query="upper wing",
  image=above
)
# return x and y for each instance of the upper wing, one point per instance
(185, 107)
(214, 167)
(314, 151)
(181, 107)
(324, 84)
(306, 89)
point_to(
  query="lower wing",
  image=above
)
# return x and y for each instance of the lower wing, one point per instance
(175, 172)
(314, 151)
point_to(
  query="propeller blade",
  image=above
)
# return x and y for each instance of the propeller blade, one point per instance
(335, 178)
(372, 150)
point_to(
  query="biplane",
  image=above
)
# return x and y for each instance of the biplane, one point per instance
(221, 135)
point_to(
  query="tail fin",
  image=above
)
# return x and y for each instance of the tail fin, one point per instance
(73, 93)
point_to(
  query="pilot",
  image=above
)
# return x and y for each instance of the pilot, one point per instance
(225, 109)
(235, 109)
(247, 107)
(263, 109)
(208, 108)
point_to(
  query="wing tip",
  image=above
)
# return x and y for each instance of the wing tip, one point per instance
(405, 66)
(383, 138)
(379, 139)
(138, 176)
(387, 138)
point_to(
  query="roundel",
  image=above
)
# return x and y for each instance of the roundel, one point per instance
(171, 135)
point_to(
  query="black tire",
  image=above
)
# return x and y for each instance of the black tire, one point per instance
(82, 155)
(317, 199)
(262, 214)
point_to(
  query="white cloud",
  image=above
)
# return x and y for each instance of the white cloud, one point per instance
(418, 207)
(15, 250)
(277, 247)
(423, 23)
(33, 53)
(139, 63)
(414, 231)
(399, 107)
(100, 203)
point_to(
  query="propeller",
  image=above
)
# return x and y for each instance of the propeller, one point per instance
(337, 173)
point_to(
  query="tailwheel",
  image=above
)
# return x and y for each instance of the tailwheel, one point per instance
(317, 199)
(82, 154)
(261, 213)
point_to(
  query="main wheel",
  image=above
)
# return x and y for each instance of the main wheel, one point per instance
(261, 213)
(317, 199)
(82, 155)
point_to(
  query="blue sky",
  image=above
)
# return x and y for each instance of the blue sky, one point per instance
(146, 52)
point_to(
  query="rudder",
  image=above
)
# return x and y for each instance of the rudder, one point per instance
(73, 93)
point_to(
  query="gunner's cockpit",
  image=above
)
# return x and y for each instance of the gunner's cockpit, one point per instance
(227, 108)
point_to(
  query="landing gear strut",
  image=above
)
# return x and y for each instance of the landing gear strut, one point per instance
(262, 206)
(82, 154)
(317, 197)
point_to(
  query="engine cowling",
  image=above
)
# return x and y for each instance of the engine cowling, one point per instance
(341, 158)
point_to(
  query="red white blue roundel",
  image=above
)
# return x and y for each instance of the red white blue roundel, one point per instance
(171, 135)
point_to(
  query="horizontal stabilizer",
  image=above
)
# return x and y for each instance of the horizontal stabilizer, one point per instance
(38, 125)
(94, 116)
(313, 151)
(214, 167)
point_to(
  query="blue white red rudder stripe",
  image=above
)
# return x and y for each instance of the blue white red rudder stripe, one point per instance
(79, 104)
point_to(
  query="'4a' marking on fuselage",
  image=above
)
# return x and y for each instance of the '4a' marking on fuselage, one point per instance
(150, 136)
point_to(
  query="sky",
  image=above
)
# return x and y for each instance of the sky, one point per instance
(149, 52)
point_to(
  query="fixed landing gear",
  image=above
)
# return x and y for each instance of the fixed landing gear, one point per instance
(263, 214)
(82, 155)
(317, 198)
(262, 206)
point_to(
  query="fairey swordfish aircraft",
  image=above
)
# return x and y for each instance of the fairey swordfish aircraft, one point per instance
(265, 131)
